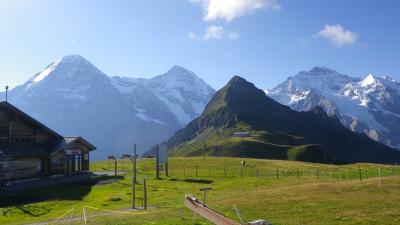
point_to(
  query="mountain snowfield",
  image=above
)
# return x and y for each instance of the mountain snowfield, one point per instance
(73, 97)
(369, 105)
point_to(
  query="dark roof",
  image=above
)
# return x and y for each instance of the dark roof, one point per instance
(60, 144)
(29, 118)
(73, 139)
(24, 150)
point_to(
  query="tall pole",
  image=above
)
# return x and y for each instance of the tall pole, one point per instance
(134, 178)
(134, 161)
(6, 93)
(133, 192)
(144, 194)
(157, 162)
(166, 168)
(204, 147)
(115, 170)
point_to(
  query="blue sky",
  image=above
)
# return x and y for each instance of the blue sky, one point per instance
(262, 40)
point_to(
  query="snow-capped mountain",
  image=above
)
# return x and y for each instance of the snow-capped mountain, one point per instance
(181, 90)
(73, 97)
(369, 105)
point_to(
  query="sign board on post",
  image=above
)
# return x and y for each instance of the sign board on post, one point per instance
(162, 154)
(73, 152)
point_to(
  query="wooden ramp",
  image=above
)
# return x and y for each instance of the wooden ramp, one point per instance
(210, 214)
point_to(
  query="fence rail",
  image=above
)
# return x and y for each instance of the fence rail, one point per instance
(342, 173)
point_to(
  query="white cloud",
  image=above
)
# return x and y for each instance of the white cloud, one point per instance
(230, 9)
(215, 33)
(337, 35)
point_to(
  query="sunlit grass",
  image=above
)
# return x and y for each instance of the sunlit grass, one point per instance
(301, 193)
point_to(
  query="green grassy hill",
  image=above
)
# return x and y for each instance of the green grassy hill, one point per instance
(280, 191)
(260, 144)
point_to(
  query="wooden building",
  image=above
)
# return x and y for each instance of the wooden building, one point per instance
(29, 149)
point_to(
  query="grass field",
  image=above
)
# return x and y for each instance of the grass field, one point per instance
(282, 192)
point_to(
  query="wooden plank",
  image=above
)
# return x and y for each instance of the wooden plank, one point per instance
(209, 214)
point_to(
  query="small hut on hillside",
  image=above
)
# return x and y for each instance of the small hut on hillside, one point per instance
(29, 149)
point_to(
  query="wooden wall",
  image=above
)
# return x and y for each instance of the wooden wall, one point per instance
(13, 130)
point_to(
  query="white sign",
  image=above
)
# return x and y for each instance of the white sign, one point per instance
(162, 153)
(74, 152)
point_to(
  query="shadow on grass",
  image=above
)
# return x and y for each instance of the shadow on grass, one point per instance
(72, 191)
(32, 211)
(198, 181)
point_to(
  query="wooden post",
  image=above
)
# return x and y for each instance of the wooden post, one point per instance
(277, 173)
(134, 164)
(379, 177)
(166, 168)
(157, 163)
(144, 194)
(359, 171)
(115, 170)
(204, 147)
(257, 176)
(133, 191)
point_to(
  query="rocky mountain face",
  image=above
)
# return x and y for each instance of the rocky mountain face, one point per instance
(73, 97)
(272, 130)
(181, 90)
(369, 105)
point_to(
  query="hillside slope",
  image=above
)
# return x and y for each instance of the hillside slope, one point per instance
(275, 131)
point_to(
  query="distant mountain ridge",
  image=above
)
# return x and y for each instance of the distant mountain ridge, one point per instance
(274, 131)
(74, 97)
(369, 105)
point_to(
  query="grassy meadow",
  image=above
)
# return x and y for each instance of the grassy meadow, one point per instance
(281, 192)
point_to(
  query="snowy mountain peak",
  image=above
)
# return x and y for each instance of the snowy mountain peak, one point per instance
(46, 72)
(369, 80)
(320, 70)
(318, 79)
(73, 58)
(369, 105)
(179, 71)
(70, 66)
